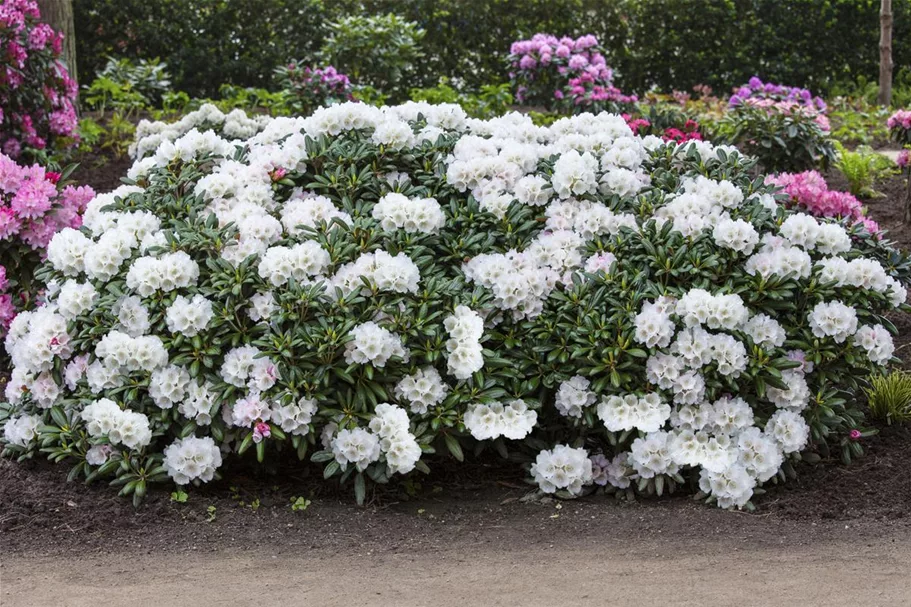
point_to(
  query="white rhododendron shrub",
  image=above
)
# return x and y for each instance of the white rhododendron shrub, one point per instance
(364, 288)
(234, 125)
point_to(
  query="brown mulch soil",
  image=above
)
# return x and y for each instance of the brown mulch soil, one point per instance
(101, 171)
(472, 504)
(468, 505)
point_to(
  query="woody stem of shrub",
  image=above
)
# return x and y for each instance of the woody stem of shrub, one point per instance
(907, 218)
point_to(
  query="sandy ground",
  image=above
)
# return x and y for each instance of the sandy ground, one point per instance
(721, 573)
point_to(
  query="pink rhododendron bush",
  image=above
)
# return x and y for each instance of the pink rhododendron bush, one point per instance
(33, 207)
(37, 95)
(565, 73)
(371, 290)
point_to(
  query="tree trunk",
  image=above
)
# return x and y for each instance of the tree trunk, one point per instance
(885, 52)
(59, 15)
(907, 217)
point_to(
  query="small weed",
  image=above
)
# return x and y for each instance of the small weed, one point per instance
(299, 504)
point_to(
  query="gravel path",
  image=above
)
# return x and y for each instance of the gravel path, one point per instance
(721, 573)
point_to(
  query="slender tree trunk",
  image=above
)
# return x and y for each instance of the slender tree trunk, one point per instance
(885, 52)
(907, 217)
(59, 15)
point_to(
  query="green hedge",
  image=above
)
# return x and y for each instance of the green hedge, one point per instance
(665, 44)
(204, 42)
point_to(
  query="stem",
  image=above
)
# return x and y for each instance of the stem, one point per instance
(907, 217)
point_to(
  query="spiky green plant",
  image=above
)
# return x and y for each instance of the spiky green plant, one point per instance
(863, 168)
(889, 397)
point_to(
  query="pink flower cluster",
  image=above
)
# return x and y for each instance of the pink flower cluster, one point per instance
(37, 95)
(8, 307)
(809, 191)
(788, 108)
(548, 70)
(900, 119)
(904, 159)
(757, 89)
(899, 125)
(32, 209)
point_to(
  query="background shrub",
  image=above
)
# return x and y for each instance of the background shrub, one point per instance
(377, 51)
(668, 44)
(204, 42)
(36, 92)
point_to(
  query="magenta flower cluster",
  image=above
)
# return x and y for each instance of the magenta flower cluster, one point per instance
(809, 191)
(311, 88)
(552, 71)
(756, 89)
(37, 95)
(901, 119)
(33, 207)
(899, 125)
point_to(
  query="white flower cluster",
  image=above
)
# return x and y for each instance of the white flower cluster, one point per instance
(877, 342)
(397, 444)
(150, 135)
(302, 262)
(514, 420)
(422, 389)
(518, 283)
(189, 316)
(104, 418)
(245, 367)
(21, 430)
(862, 273)
(645, 413)
(192, 459)
(833, 319)
(371, 343)
(615, 472)
(398, 212)
(465, 328)
(166, 273)
(295, 417)
(388, 436)
(562, 468)
(358, 446)
(396, 274)
(574, 396)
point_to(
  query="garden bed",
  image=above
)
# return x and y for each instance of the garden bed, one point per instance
(476, 505)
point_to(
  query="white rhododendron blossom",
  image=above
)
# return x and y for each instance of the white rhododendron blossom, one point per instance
(833, 319)
(192, 460)
(422, 389)
(104, 418)
(646, 413)
(189, 316)
(21, 431)
(574, 396)
(366, 284)
(359, 447)
(373, 344)
(465, 328)
(398, 212)
(513, 420)
(562, 468)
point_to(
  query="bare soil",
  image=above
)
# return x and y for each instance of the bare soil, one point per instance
(614, 572)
